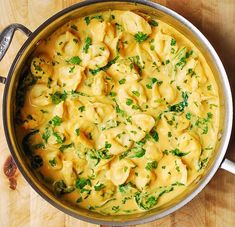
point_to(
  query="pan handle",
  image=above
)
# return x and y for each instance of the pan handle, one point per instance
(228, 165)
(5, 40)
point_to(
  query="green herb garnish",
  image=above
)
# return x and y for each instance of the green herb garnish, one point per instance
(140, 37)
(87, 45)
(56, 121)
(151, 165)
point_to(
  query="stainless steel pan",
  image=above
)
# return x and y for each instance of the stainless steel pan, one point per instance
(82, 9)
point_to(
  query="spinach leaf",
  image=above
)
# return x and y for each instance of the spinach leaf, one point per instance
(179, 107)
(61, 188)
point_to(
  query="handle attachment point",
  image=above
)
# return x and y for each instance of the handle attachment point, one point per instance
(228, 165)
(7, 34)
(3, 79)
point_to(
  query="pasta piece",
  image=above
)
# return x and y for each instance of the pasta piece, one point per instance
(100, 85)
(72, 108)
(144, 121)
(200, 72)
(140, 125)
(143, 178)
(97, 112)
(134, 23)
(163, 45)
(186, 71)
(59, 110)
(42, 68)
(68, 173)
(54, 161)
(83, 139)
(100, 197)
(152, 151)
(167, 92)
(109, 34)
(189, 144)
(119, 171)
(118, 139)
(33, 119)
(39, 95)
(65, 45)
(171, 170)
(156, 98)
(147, 59)
(70, 77)
(98, 30)
(128, 99)
(125, 44)
(99, 55)
(195, 104)
(122, 70)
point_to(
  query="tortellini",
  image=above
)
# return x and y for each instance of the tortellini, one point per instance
(41, 67)
(141, 124)
(68, 173)
(134, 23)
(99, 55)
(128, 98)
(66, 45)
(118, 112)
(170, 170)
(70, 77)
(39, 95)
(118, 139)
(97, 112)
(190, 145)
(100, 85)
(119, 171)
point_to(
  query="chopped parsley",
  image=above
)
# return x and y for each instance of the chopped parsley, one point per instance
(153, 23)
(140, 37)
(52, 162)
(95, 71)
(87, 45)
(81, 108)
(65, 146)
(77, 131)
(98, 17)
(71, 69)
(56, 121)
(173, 42)
(82, 182)
(107, 145)
(46, 134)
(58, 137)
(122, 81)
(136, 93)
(58, 97)
(61, 188)
(151, 165)
(74, 27)
(154, 135)
(129, 102)
(99, 187)
(179, 107)
(75, 60)
(188, 115)
(153, 81)
(178, 153)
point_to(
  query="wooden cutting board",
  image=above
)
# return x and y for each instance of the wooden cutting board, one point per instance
(214, 206)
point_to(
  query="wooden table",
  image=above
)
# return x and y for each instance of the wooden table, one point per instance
(214, 206)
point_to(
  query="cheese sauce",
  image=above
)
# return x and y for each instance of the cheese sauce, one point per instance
(119, 112)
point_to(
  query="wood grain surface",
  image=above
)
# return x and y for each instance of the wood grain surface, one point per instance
(214, 206)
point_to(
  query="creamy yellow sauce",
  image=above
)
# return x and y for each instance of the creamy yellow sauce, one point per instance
(120, 112)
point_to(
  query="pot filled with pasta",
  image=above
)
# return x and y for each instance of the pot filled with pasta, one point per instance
(117, 112)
